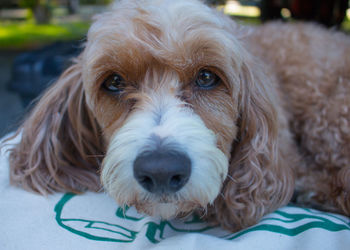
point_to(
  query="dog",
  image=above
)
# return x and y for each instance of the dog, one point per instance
(174, 108)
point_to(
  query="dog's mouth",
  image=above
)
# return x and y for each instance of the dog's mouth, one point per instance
(164, 199)
(165, 207)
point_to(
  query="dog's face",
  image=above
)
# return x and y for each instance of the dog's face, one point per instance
(188, 118)
(161, 85)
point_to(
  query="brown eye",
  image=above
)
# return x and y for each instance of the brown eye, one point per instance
(207, 79)
(113, 83)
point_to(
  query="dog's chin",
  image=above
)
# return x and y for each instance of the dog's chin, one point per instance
(166, 210)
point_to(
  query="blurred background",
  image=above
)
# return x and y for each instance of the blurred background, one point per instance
(38, 38)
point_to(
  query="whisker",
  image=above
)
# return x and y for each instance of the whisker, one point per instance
(222, 195)
(204, 212)
(231, 178)
(124, 210)
(90, 156)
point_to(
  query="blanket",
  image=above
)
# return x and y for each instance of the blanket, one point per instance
(94, 221)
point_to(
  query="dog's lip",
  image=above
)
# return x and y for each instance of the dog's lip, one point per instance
(164, 199)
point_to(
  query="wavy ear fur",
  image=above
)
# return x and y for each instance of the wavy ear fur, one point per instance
(60, 141)
(260, 178)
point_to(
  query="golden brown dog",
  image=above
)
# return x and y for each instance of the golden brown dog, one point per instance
(174, 108)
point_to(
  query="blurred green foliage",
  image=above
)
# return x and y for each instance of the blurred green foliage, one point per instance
(25, 35)
(346, 25)
(28, 3)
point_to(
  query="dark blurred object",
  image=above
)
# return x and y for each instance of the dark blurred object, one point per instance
(42, 13)
(9, 3)
(73, 6)
(42, 9)
(271, 9)
(215, 2)
(327, 12)
(32, 72)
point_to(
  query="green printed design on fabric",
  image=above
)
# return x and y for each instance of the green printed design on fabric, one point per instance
(122, 214)
(155, 231)
(154, 228)
(126, 234)
(317, 222)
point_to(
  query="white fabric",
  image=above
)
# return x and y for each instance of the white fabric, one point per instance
(94, 221)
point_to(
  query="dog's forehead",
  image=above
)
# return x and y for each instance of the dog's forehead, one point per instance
(174, 18)
(173, 30)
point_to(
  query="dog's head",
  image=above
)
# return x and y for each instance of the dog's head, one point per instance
(170, 109)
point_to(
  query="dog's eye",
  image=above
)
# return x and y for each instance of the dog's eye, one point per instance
(207, 79)
(113, 83)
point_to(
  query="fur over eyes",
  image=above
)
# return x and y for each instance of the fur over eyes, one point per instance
(244, 136)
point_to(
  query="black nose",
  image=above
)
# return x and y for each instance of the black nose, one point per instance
(162, 171)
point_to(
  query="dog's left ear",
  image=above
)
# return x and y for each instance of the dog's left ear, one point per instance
(60, 145)
(260, 178)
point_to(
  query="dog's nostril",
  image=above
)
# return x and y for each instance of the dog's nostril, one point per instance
(146, 182)
(175, 181)
(162, 171)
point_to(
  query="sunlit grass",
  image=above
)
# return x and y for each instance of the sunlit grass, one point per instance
(234, 8)
(27, 34)
(242, 14)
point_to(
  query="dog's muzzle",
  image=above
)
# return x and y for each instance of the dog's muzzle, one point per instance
(164, 160)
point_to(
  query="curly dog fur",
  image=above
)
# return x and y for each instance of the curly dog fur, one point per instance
(277, 121)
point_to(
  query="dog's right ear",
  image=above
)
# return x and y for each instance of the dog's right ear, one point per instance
(60, 144)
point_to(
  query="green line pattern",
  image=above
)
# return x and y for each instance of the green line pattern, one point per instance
(126, 228)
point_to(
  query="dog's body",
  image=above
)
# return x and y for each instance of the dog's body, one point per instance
(311, 66)
(191, 112)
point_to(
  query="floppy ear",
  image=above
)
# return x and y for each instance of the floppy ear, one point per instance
(60, 141)
(260, 178)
